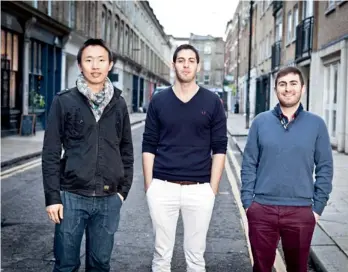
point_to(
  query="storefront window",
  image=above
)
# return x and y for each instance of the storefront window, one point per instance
(3, 43)
(9, 69)
(15, 53)
(13, 90)
(9, 48)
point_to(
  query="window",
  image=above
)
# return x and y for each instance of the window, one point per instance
(295, 20)
(88, 11)
(218, 78)
(49, 7)
(92, 24)
(136, 48)
(331, 77)
(207, 49)
(126, 40)
(206, 79)
(35, 4)
(116, 34)
(331, 4)
(142, 53)
(307, 9)
(207, 65)
(279, 25)
(108, 28)
(72, 14)
(130, 43)
(121, 37)
(103, 24)
(9, 69)
(289, 25)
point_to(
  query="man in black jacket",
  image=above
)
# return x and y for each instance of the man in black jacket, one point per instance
(85, 188)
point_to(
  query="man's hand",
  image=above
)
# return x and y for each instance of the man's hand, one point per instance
(215, 188)
(121, 197)
(147, 185)
(55, 212)
(316, 216)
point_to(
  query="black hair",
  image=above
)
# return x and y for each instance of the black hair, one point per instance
(185, 47)
(93, 42)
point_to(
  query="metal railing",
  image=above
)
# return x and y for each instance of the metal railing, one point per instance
(276, 54)
(304, 39)
(277, 5)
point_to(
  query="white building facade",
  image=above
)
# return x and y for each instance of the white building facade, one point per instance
(329, 86)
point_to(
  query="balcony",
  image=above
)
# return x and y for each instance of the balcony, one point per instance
(304, 40)
(276, 55)
(277, 5)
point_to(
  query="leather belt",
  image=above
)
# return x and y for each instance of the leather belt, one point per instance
(184, 182)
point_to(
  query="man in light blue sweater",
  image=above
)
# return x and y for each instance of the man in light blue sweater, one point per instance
(281, 198)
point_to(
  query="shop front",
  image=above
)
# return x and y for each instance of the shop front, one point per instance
(45, 55)
(11, 62)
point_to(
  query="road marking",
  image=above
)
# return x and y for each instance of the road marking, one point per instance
(4, 176)
(19, 167)
(279, 264)
(37, 162)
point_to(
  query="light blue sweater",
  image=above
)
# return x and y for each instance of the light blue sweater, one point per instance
(279, 160)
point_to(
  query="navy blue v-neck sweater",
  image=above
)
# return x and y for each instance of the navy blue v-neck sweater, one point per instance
(183, 136)
(278, 162)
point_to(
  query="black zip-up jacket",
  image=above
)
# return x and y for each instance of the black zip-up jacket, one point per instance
(98, 156)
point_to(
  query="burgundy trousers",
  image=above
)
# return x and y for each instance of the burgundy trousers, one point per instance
(293, 225)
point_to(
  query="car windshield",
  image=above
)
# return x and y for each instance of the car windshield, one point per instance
(159, 89)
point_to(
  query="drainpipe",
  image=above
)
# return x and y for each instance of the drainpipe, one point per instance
(237, 76)
(247, 116)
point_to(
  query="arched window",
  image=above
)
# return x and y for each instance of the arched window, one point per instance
(126, 40)
(108, 28)
(122, 38)
(103, 23)
(116, 33)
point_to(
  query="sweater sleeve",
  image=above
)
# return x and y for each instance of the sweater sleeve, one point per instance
(219, 130)
(323, 170)
(151, 133)
(249, 166)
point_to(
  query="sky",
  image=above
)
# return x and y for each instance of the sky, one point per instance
(202, 17)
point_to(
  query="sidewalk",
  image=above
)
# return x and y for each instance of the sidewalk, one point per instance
(17, 148)
(329, 248)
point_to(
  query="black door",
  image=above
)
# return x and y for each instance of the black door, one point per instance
(262, 94)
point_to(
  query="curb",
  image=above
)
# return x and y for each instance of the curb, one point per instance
(38, 154)
(21, 158)
(319, 265)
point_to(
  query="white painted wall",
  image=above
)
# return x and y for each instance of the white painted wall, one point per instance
(317, 90)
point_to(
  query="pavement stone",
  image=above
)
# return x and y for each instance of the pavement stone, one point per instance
(329, 248)
(14, 148)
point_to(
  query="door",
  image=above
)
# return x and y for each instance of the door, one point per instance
(135, 97)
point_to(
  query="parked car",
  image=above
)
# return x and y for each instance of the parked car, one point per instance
(156, 91)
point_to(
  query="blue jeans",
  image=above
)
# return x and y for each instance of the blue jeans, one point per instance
(99, 216)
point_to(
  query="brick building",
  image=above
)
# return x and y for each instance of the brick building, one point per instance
(311, 35)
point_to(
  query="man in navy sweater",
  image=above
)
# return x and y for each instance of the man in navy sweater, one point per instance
(184, 147)
(278, 191)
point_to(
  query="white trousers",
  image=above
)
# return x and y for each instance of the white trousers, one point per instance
(196, 202)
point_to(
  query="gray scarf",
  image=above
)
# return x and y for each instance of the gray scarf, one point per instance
(97, 101)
